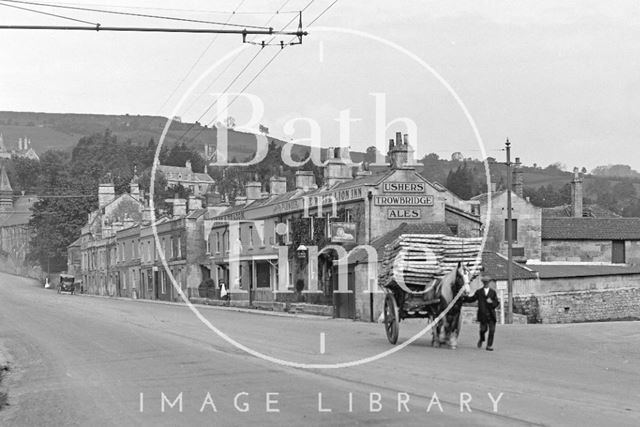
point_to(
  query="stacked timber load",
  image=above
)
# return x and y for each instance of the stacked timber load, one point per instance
(418, 259)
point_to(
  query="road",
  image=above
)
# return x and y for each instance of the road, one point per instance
(80, 360)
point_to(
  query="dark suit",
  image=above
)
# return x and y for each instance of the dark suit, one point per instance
(486, 312)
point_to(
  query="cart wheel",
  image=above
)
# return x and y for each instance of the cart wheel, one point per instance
(391, 318)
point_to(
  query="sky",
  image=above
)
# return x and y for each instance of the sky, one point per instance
(559, 79)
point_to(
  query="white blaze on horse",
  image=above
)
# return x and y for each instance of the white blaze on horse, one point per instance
(459, 280)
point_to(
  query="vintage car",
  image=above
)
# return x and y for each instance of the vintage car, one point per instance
(67, 284)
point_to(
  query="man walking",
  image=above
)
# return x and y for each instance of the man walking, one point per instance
(487, 303)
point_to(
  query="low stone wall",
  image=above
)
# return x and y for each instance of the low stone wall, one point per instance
(580, 306)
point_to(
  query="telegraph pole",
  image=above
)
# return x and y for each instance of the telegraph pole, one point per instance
(509, 239)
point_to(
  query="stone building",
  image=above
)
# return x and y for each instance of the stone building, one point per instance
(293, 246)
(15, 213)
(182, 245)
(526, 221)
(579, 233)
(98, 248)
(602, 240)
(198, 182)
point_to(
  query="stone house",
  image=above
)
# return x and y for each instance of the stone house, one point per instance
(98, 240)
(181, 244)
(199, 183)
(291, 246)
(526, 220)
(15, 213)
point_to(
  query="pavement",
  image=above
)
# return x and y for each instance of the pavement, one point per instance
(104, 362)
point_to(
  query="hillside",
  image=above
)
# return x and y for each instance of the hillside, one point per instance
(62, 131)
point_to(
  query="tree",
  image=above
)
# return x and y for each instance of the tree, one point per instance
(179, 154)
(461, 182)
(58, 218)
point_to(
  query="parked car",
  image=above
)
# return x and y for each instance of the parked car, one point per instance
(67, 284)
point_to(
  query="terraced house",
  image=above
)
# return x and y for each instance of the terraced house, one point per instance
(288, 246)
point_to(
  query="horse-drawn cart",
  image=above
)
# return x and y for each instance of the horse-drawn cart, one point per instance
(421, 274)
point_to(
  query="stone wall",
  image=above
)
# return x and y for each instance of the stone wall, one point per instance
(580, 306)
(577, 250)
(632, 251)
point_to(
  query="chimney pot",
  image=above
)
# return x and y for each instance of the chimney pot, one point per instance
(398, 138)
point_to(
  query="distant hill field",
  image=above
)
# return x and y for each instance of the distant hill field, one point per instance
(62, 131)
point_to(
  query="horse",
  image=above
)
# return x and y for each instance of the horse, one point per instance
(448, 328)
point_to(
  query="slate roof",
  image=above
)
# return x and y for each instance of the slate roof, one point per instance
(591, 211)
(558, 271)
(495, 265)
(373, 180)
(463, 213)
(590, 229)
(405, 228)
(186, 173)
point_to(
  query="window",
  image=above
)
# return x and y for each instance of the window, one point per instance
(618, 252)
(179, 247)
(171, 254)
(217, 241)
(514, 229)
(348, 215)
(288, 231)
(251, 236)
(163, 282)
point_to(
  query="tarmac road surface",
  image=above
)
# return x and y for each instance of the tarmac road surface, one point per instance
(79, 360)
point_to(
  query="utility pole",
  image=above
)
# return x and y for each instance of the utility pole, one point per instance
(509, 239)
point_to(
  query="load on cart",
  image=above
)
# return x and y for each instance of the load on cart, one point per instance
(425, 276)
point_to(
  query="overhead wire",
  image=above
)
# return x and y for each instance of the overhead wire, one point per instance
(167, 9)
(195, 64)
(238, 75)
(40, 12)
(276, 55)
(143, 15)
(232, 61)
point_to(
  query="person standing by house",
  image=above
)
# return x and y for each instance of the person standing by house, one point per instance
(487, 303)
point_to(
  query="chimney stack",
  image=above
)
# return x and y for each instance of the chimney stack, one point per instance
(305, 180)
(518, 184)
(338, 168)
(277, 185)
(576, 194)
(401, 154)
(253, 190)
(179, 207)
(106, 194)
(194, 203)
(146, 213)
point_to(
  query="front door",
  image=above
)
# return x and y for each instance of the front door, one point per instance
(344, 304)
